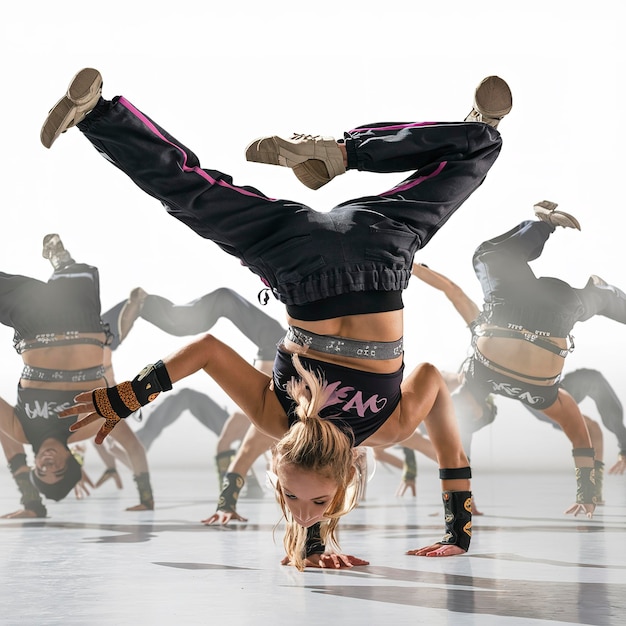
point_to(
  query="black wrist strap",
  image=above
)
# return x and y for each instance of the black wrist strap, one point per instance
(588, 452)
(16, 462)
(455, 473)
(150, 382)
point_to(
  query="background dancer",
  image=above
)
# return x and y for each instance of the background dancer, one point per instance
(62, 340)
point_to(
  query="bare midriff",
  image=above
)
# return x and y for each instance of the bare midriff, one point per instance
(383, 327)
(65, 357)
(528, 360)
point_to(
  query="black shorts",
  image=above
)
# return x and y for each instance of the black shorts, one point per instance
(38, 412)
(481, 381)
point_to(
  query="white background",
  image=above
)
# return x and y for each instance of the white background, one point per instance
(217, 75)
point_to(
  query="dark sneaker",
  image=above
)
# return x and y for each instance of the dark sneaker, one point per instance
(492, 101)
(546, 212)
(81, 97)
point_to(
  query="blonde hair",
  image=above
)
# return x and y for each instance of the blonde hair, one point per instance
(315, 445)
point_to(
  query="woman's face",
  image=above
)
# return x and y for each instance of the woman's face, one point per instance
(307, 494)
(51, 461)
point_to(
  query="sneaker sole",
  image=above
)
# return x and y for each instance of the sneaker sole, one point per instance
(84, 87)
(312, 173)
(557, 218)
(58, 121)
(493, 97)
(567, 220)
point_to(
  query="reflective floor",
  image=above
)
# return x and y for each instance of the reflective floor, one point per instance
(92, 563)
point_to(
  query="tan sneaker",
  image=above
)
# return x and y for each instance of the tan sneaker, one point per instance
(546, 211)
(315, 160)
(492, 101)
(596, 281)
(54, 250)
(613, 307)
(600, 283)
(313, 173)
(131, 311)
(81, 97)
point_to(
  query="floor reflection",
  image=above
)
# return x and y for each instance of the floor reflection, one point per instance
(535, 567)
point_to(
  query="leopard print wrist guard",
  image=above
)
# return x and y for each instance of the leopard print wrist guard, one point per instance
(118, 402)
(457, 507)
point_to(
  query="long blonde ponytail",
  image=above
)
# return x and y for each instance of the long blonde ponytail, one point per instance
(316, 445)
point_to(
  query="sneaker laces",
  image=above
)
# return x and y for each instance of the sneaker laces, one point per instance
(304, 137)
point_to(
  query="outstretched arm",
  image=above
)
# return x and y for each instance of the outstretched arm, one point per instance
(566, 413)
(422, 444)
(591, 383)
(254, 444)
(110, 454)
(136, 455)
(466, 307)
(426, 397)
(247, 387)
